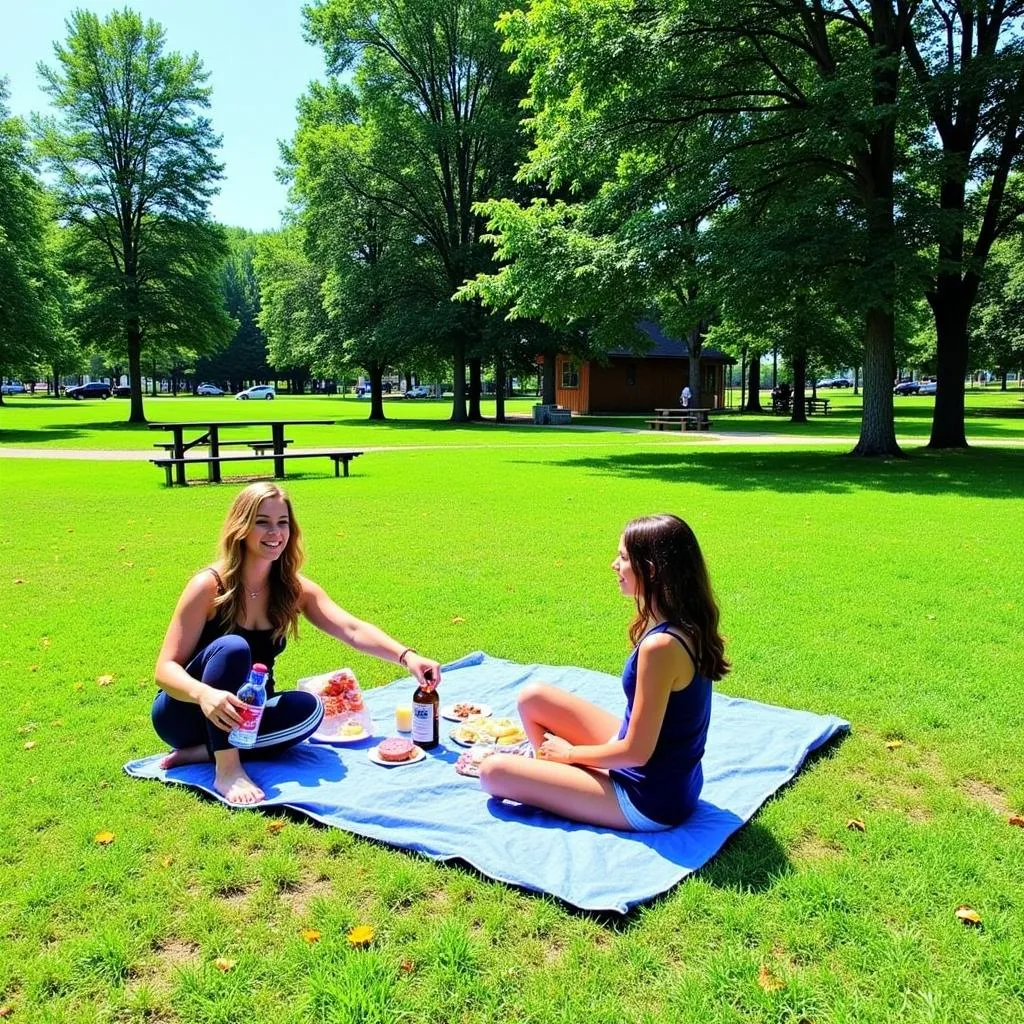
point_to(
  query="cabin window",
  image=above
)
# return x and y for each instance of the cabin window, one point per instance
(570, 375)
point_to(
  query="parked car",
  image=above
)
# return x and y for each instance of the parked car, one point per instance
(14, 388)
(835, 382)
(208, 389)
(907, 387)
(420, 391)
(927, 388)
(257, 391)
(122, 391)
(94, 389)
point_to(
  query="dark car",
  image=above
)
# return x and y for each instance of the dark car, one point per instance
(94, 389)
(907, 387)
(121, 391)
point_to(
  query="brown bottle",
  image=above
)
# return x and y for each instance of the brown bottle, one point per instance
(426, 714)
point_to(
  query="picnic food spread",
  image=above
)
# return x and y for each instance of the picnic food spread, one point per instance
(506, 731)
(466, 710)
(396, 749)
(469, 761)
(346, 717)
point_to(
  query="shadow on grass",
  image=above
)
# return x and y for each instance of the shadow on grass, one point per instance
(981, 473)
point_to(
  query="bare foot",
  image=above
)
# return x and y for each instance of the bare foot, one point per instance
(235, 786)
(187, 755)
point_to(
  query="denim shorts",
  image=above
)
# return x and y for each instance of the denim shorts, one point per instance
(638, 821)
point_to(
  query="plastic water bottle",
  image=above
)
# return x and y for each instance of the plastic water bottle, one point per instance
(254, 695)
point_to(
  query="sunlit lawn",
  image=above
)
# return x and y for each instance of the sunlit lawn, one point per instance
(888, 594)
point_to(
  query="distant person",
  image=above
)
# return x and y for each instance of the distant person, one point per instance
(642, 772)
(685, 395)
(235, 613)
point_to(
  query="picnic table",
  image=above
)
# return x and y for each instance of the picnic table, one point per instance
(816, 404)
(208, 435)
(690, 418)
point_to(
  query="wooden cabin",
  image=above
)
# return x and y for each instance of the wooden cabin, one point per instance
(638, 383)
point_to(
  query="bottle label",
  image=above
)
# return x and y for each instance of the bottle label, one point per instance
(423, 723)
(250, 718)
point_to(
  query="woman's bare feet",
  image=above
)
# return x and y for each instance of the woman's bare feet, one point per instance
(187, 755)
(231, 781)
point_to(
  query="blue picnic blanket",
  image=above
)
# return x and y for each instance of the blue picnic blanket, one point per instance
(752, 750)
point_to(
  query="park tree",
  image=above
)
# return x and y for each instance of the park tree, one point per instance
(997, 320)
(431, 77)
(29, 311)
(134, 167)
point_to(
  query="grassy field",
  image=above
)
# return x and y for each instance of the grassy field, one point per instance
(887, 593)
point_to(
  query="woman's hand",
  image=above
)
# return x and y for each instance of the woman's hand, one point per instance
(221, 707)
(554, 748)
(427, 672)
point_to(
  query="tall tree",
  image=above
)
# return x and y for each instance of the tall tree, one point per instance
(432, 78)
(29, 316)
(135, 168)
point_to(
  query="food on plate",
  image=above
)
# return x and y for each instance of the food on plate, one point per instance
(489, 730)
(340, 694)
(469, 761)
(396, 749)
(466, 710)
(352, 728)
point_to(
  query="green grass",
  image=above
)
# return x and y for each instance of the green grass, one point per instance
(887, 593)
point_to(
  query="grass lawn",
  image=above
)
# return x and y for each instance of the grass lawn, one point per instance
(887, 593)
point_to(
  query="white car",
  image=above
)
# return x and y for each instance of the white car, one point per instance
(14, 388)
(420, 391)
(257, 391)
(927, 388)
(208, 389)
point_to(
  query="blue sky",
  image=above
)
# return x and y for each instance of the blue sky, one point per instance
(259, 65)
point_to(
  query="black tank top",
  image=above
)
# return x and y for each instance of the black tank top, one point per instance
(262, 645)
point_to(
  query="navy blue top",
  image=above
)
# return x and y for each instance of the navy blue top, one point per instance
(262, 645)
(667, 787)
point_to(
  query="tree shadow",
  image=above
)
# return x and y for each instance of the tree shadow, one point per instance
(976, 473)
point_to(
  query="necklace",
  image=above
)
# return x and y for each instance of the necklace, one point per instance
(253, 594)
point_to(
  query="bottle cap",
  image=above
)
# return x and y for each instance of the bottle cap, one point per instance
(259, 667)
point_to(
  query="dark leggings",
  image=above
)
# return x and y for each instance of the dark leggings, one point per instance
(224, 664)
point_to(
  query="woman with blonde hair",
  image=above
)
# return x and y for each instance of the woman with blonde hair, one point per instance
(239, 612)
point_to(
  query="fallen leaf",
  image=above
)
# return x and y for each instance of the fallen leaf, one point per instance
(79, 687)
(458, 620)
(6, 1011)
(57, 723)
(1016, 819)
(19, 581)
(310, 935)
(968, 915)
(71, 529)
(274, 827)
(768, 981)
(222, 963)
(407, 967)
(33, 668)
(128, 565)
(45, 641)
(29, 744)
(123, 547)
(104, 680)
(167, 861)
(856, 825)
(361, 935)
(27, 727)
(894, 744)
(104, 838)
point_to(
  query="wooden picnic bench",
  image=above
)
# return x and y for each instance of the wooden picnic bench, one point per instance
(213, 464)
(690, 418)
(209, 436)
(816, 404)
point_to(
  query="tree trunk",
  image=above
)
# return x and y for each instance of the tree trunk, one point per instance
(474, 389)
(136, 413)
(549, 393)
(743, 378)
(877, 430)
(754, 385)
(499, 388)
(694, 344)
(856, 380)
(799, 414)
(459, 385)
(376, 391)
(951, 308)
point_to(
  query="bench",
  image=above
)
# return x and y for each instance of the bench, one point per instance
(256, 445)
(685, 421)
(341, 461)
(551, 414)
(817, 405)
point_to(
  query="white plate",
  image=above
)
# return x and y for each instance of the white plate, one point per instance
(448, 711)
(337, 739)
(375, 757)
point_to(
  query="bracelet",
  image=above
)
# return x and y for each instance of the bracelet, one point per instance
(405, 654)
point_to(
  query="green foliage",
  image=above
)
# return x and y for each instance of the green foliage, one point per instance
(133, 159)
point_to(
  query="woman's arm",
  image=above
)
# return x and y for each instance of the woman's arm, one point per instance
(182, 635)
(661, 663)
(332, 619)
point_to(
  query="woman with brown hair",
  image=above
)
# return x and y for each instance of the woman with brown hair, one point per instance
(239, 612)
(642, 772)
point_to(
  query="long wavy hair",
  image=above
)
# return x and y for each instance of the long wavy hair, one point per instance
(673, 581)
(285, 595)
